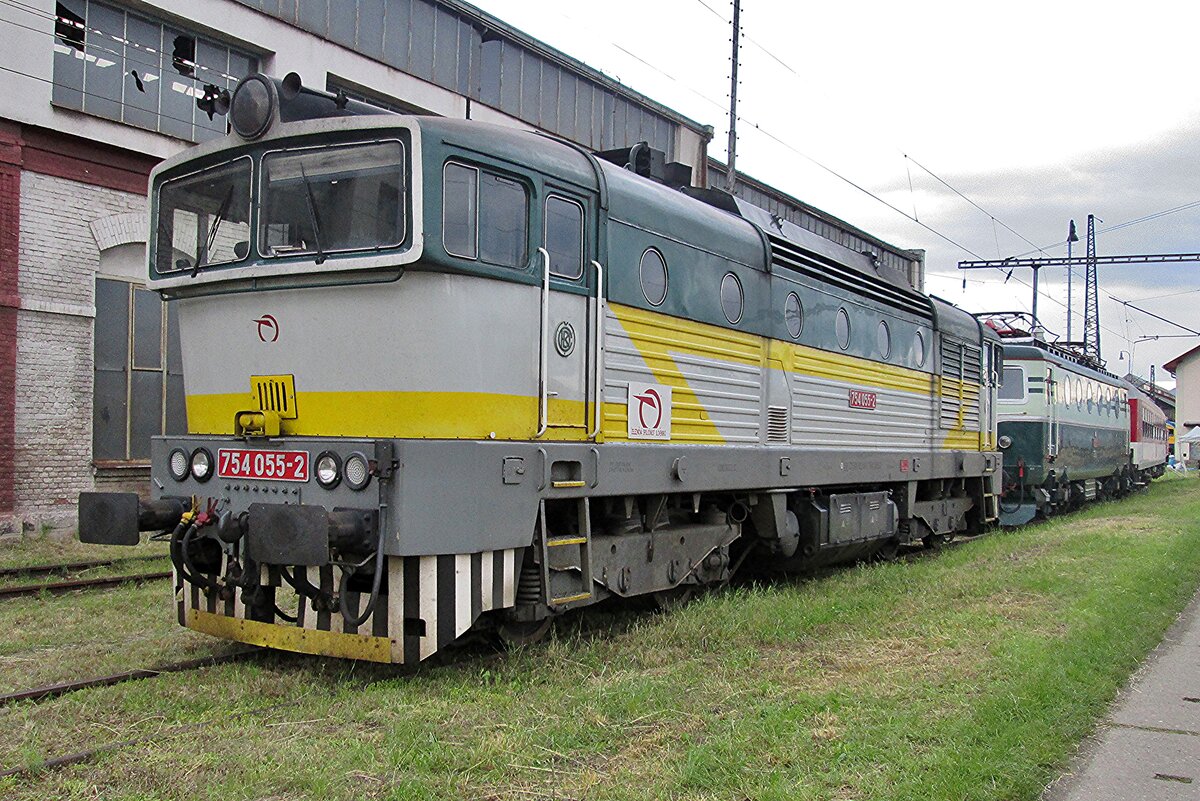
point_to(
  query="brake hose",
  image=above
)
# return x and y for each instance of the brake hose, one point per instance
(355, 622)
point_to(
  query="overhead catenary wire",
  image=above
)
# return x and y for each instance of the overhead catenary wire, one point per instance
(755, 126)
(995, 220)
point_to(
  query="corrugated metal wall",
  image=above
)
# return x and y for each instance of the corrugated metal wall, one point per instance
(477, 58)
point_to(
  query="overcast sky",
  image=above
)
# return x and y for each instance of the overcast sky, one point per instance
(1039, 112)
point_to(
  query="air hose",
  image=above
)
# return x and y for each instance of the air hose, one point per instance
(356, 621)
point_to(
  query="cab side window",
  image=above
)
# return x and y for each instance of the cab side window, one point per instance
(564, 237)
(1012, 384)
(485, 216)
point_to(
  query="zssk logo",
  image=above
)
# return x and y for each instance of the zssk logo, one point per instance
(649, 405)
(268, 328)
(649, 411)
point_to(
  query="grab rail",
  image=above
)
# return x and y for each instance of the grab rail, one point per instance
(544, 349)
(598, 350)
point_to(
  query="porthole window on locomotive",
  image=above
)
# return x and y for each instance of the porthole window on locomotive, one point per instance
(843, 329)
(731, 297)
(654, 277)
(919, 349)
(883, 339)
(793, 315)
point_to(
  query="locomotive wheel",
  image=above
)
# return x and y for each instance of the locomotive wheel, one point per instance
(516, 633)
(937, 540)
(674, 598)
(888, 551)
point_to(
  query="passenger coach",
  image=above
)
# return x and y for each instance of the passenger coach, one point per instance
(442, 375)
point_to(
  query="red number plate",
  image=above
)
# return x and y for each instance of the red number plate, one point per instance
(269, 465)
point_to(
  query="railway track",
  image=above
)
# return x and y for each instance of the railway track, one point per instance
(61, 587)
(72, 567)
(55, 690)
(63, 688)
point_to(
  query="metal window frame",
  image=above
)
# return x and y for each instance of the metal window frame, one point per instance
(1024, 385)
(666, 276)
(157, 211)
(582, 232)
(131, 288)
(257, 208)
(162, 24)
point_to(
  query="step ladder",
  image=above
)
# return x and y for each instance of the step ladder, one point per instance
(566, 558)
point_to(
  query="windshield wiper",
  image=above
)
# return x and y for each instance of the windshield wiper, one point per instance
(312, 215)
(218, 218)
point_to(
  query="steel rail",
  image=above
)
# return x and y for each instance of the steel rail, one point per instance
(72, 567)
(62, 688)
(60, 587)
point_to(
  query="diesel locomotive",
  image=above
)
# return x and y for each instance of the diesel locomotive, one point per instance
(443, 376)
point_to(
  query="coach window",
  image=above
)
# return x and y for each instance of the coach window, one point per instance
(731, 298)
(1012, 385)
(842, 328)
(793, 315)
(564, 237)
(653, 271)
(485, 216)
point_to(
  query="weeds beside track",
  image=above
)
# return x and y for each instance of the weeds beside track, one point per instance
(970, 675)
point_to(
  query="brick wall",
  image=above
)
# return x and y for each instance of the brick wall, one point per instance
(10, 204)
(58, 262)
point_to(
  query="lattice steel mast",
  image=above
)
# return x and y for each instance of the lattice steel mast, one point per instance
(1091, 297)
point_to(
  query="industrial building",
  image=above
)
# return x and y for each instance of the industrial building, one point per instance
(1186, 369)
(96, 93)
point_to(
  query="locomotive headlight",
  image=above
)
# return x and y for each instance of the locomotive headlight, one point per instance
(177, 464)
(252, 106)
(358, 471)
(1004, 442)
(202, 464)
(329, 470)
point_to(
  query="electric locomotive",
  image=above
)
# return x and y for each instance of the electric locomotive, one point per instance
(1071, 432)
(443, 376)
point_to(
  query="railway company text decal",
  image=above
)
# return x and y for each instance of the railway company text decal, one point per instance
(649, 411)
(862, 400)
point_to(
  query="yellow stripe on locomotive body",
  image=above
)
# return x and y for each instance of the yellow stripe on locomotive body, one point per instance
(718, 375)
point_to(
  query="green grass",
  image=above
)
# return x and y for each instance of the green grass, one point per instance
(969, 675)
(46, 550)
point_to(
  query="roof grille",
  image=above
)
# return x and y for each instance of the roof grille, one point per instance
(792, 256)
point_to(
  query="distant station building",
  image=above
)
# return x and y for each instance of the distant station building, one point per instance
(96, 93)
(1186, 369)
